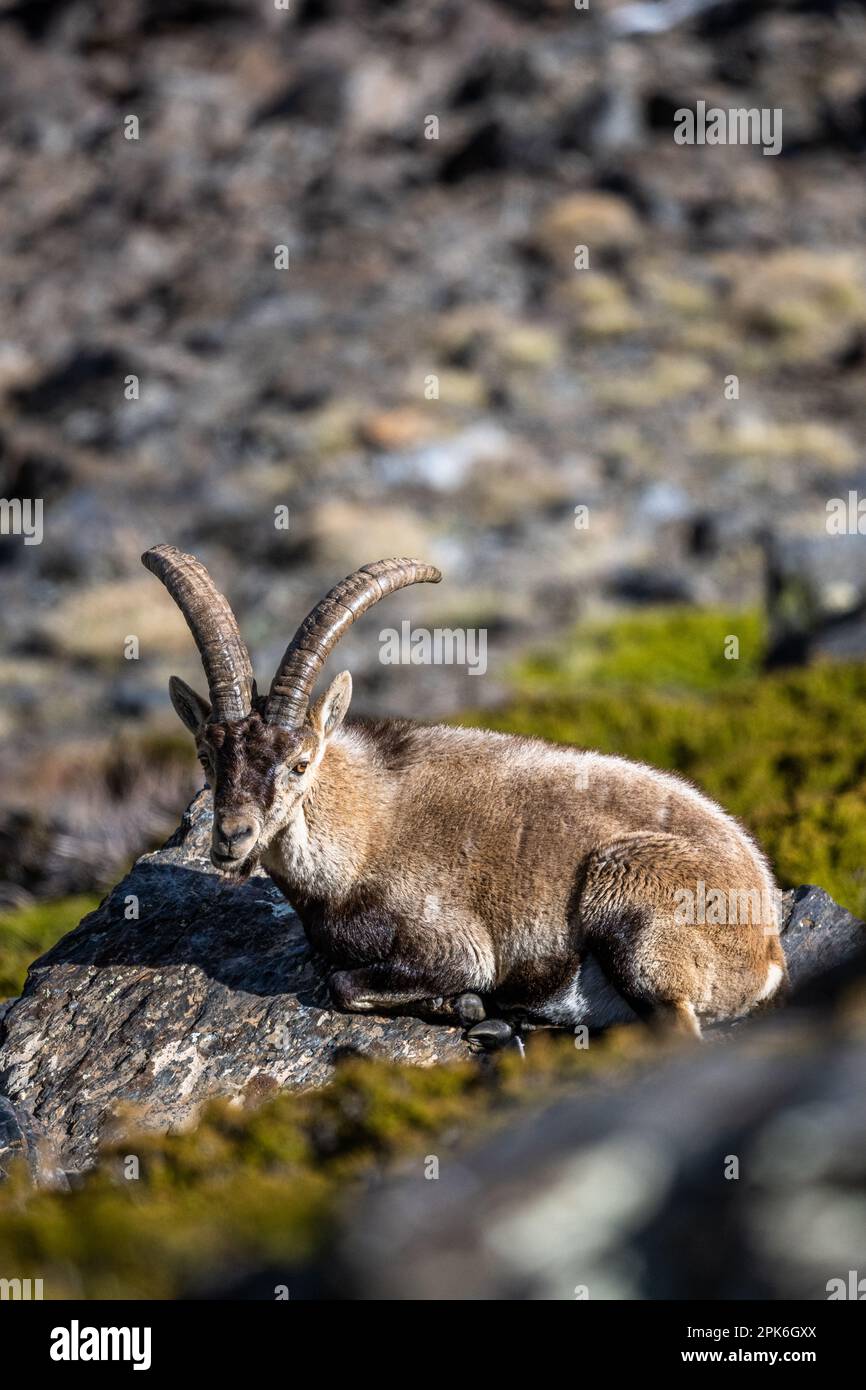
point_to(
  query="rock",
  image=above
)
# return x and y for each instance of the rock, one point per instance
(87, 377)
(397, 429)
(624, 1195)
(444, 465)
(816, 595)
(642, 585)
(20, 1137)
(636, 20)
(211, 991)
(13, 1139)
(317, 95)
(601, 221)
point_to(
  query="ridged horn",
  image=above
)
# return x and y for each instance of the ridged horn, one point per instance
(322, 629)
(214, 627)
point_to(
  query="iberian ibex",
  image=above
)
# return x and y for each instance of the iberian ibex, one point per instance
(463, 872)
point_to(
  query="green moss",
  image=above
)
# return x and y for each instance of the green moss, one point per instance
(29, 931)
(677, 649)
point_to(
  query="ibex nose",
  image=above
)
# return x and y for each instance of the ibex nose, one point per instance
(232, 831)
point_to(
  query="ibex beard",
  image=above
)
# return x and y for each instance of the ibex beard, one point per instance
(460, 872)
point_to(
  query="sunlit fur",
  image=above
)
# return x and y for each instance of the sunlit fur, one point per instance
(428, 861)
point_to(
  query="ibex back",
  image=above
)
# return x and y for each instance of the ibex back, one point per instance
(433, 865)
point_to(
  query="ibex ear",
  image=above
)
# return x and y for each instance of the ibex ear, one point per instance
(330, 709)
(193, 710)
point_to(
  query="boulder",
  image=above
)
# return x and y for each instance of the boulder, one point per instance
(822, 941)
(16, 1140)
(183, 986)
(22, 1138)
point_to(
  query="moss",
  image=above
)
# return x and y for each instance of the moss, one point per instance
(677, 649)
(29, 931)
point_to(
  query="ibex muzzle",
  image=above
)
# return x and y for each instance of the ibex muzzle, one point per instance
(450, 870)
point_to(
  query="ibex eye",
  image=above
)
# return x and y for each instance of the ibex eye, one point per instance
(301, 767)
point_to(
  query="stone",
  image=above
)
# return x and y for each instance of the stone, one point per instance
(601, 221)
(21, 1138)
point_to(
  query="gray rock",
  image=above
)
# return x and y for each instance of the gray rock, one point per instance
(13, 1138)
(819, 937)
(20, 1137)
(212, 991)
(629, 1191)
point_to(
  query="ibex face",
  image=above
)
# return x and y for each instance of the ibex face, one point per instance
(259, 773)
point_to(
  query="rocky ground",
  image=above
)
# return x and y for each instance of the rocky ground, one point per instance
(409, 258)
(736, 1173)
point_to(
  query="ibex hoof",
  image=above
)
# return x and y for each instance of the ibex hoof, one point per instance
(489, 1035)
(345, 995)
(470, 1009)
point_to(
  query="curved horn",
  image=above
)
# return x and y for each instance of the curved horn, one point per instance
(213, 625)
(322, 629)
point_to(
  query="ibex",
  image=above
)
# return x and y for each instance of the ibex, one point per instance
(461, 873)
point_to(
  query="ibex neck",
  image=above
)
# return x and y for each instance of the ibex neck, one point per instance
(322, 851)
